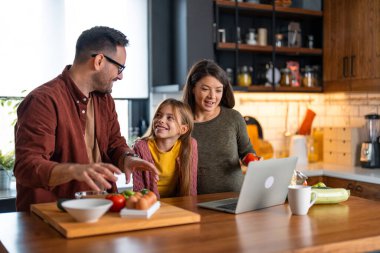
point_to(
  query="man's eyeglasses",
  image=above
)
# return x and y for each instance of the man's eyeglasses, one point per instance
(120, 67)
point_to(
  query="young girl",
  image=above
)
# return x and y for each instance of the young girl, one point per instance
(169, 145)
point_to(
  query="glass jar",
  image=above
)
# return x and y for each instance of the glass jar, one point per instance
(286, 77)
(279, 40)
(310, 42)
(317, 75)
(244, 78)
(308, 79)
(312, 150)
(230, 75)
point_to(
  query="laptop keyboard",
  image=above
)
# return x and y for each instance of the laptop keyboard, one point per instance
(231, 206)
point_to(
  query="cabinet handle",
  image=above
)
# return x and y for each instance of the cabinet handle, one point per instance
(345, 65)
(350, 186)
(359, 188)
(352, 65)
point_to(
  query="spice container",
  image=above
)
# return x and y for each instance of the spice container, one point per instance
(244, 78)
(279, 40)
(251, 37)
(310, 42)
(317, 75)
(308, 79)
(230, 75)
(286, 77)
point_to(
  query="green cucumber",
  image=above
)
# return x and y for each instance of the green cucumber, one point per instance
(331, 195)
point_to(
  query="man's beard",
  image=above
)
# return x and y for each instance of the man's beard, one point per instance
(100, 84)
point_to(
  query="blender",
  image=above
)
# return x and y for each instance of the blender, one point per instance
(370, 149)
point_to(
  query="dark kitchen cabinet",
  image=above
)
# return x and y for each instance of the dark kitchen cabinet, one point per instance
(233, 52)
(351, 45)
(314, 180)
(357, 188)
(181, 33)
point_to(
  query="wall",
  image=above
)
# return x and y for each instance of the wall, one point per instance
(337, 109)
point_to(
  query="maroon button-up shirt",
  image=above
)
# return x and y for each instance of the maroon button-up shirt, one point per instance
(50, 129)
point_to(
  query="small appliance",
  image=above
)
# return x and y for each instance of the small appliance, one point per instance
(370, 149)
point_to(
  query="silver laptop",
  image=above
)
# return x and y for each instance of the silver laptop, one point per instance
(265, 184)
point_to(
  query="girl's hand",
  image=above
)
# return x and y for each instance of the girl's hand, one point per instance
(132, 163)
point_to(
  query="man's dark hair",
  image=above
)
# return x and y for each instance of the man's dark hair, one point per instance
(99, 39)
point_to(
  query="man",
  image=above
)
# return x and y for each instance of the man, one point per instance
(67, 136)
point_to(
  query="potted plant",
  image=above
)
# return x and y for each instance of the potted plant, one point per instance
(7, 159)
(6, 166)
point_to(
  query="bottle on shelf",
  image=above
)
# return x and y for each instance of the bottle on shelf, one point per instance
(279, 40)
(244, 78)
(230, 75)
(310, 41)
(286, 77)
(251, 37)
(308, 79)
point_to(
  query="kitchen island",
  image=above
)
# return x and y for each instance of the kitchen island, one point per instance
(351, 226)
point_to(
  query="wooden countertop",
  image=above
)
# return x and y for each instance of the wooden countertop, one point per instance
(351, 226)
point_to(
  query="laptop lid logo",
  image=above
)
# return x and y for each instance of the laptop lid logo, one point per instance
(269, 182)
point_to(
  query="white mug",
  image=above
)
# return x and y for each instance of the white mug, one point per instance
(300, 199)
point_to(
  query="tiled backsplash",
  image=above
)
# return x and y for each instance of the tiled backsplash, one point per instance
(270, 109)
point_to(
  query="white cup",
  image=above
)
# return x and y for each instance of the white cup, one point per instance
(300, 199)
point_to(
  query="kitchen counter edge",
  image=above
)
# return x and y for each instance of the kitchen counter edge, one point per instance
(341, 171)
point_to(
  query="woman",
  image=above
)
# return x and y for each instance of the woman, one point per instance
(219, 130)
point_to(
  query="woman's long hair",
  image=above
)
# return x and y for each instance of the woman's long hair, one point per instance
(184, 117)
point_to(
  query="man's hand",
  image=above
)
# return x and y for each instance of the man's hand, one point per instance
(132, 163)
(95, 175)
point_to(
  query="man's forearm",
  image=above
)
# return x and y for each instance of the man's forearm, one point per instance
(61, 173)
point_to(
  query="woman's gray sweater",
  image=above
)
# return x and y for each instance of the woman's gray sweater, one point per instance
(222, 141)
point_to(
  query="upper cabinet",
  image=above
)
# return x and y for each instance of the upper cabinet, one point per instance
(268, 47)
(351, 57)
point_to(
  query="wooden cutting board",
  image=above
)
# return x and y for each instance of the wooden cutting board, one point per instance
(167, 215)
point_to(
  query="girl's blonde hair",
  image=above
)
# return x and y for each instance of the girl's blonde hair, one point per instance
(183, 116)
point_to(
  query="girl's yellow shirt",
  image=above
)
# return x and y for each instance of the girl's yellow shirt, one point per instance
(166, 165)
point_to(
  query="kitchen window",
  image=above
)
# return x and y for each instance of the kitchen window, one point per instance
(39, 39)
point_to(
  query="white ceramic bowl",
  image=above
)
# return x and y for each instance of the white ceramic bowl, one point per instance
(87, 210)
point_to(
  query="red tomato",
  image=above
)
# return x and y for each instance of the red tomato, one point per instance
(250, 157)
(118, 201)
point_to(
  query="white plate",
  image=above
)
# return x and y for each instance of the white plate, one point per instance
(134, 213)
(269, 75)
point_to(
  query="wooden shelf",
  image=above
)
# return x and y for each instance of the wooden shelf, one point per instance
(297, 89)
(253, 88)
(268, 8)
(299, 50)
(265, 88)
(269, 49)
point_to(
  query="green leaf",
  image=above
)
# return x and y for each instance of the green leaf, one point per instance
(7, 160)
